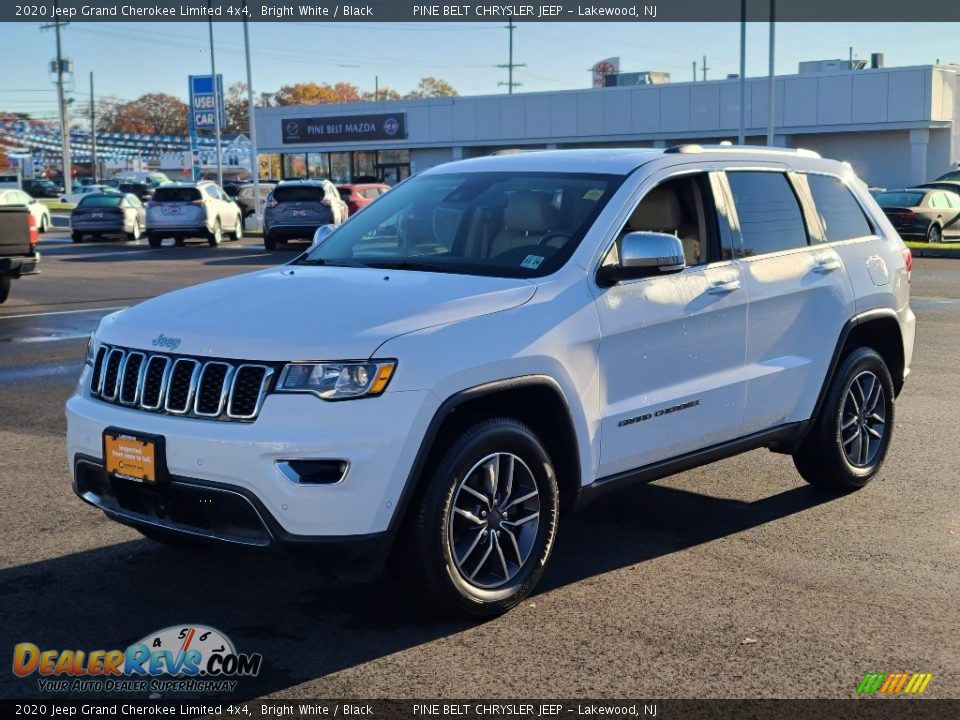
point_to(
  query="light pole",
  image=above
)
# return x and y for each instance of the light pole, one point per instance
(771, 78)
(251, 116)
(742, 132)
(216, 99)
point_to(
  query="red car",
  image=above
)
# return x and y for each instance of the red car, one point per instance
(359, 195)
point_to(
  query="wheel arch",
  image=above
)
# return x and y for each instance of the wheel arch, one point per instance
(536, 400)
(877, 329)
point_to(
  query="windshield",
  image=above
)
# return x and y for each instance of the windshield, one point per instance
(899, 199)
(503, 224)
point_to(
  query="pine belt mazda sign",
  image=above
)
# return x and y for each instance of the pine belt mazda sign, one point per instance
(341, 128)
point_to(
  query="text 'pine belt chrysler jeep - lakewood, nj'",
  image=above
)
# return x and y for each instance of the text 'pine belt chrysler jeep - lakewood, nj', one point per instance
(495, 342)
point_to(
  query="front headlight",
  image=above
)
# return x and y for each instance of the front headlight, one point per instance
(337, 380)
(91, 347)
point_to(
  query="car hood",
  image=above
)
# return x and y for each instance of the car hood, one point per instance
(307, 313)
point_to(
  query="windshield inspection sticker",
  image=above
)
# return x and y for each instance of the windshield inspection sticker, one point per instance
(594, 194)
(532, 262)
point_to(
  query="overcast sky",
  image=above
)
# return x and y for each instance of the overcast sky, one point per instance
(129, 59)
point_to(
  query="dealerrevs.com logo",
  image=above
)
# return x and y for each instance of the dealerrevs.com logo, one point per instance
(181, 658)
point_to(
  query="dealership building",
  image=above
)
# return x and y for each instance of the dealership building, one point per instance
(896, 126)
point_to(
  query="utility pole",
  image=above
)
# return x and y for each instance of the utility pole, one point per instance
(252, 121)
(376, 88)
(771, 80)
(93, 132)
(216, 99)
(741, 132)
(510, 63)
(705, 68)
(694, 70)
(62, 103)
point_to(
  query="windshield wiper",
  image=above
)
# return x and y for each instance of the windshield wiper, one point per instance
(330, 262)
(421, 265)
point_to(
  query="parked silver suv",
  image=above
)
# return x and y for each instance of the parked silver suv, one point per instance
(192, 210)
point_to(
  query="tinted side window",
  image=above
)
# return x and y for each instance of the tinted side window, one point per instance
(840, 214)
(769, 213)
(954, 200)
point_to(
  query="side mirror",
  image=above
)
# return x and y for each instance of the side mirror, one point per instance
(644, 254)
(322, 233)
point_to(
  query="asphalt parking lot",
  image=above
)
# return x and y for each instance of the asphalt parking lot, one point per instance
(732, 580)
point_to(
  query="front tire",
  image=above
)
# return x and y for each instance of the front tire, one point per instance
(44, 223)
(481, 535)
(934, 233)
(849, 440)
(237, 233)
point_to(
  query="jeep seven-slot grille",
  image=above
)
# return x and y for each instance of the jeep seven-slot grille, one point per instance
(214, 389)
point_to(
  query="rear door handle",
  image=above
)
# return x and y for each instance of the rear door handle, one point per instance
(724, 287)
(827, 264)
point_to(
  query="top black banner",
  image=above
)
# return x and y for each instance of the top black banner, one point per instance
(427, 11)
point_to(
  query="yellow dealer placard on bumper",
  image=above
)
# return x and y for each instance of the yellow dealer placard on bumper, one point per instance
(130, 457)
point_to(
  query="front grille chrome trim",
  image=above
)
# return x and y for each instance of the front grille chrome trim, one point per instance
(200, 372)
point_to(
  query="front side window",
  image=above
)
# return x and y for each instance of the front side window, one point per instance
(840, 214)
(501, 224)
(681, 206)
(768, 210)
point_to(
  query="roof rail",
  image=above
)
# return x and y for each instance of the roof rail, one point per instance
(693, 148)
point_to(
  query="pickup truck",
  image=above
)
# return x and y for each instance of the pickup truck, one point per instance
(18, 246)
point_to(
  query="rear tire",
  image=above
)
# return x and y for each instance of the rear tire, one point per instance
(269, 243)
(44, 223)
(480, 536)
(155, 240)
(849, 440)
(934, 234)
(76, 237)
(134, 234)
(215, 237)
(237, 233)
(4, 288)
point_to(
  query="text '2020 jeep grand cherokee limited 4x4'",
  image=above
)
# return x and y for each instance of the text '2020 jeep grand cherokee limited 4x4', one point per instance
(495, 341)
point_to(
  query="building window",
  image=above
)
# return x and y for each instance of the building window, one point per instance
(295, 166)
(340, 167)
(270, 168)
(364, 165)
(317, 165)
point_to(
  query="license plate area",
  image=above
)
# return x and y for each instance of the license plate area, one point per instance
(134, 456)
(300, 213)
(172, 209)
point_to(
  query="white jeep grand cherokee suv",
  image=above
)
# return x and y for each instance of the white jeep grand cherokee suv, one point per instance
(495, 342)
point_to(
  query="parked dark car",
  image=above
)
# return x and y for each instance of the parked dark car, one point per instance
(359, 195)
(42, 188)
(953, 175)
(931, 214)
(142, 190)
(244, 197)
(113, 214)
(296, 208)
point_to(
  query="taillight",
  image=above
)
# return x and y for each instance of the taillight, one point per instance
(152, 204)
(196, 203)
(34, 231)
(271, 203)
(907, 259)
(326, 202)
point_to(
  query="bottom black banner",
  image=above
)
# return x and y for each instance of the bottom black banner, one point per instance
(853, 709)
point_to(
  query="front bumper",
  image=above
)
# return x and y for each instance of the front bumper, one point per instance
(235, 465)
(213, 512)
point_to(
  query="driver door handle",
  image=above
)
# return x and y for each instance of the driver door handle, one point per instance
(827, 264)
(724, 287)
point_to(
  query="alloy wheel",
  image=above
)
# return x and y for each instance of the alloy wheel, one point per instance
(863, 419)
(493, 520)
